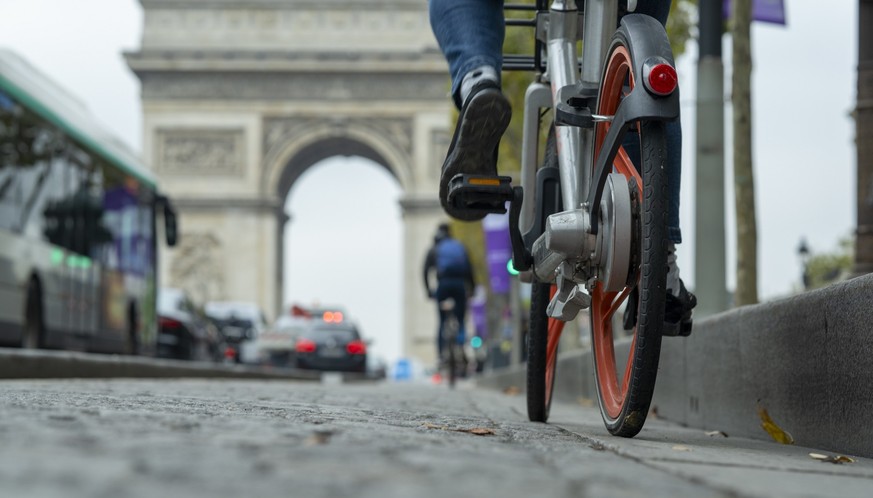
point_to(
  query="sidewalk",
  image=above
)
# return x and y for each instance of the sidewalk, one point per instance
(807, 360)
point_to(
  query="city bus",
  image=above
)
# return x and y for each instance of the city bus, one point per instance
(78, 224)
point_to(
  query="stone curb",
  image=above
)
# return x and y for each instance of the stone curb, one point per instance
(807, 360)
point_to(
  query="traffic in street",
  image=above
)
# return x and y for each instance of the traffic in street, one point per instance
(208, 437)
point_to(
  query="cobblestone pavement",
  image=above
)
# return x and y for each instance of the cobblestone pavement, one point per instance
(192, 438)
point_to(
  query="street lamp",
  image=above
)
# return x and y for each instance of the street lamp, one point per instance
(803, 252)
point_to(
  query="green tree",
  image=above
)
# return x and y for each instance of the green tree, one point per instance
(827, 268)
(744, 180)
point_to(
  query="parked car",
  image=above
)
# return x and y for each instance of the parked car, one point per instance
(331, 347)
(241, 323)
(276, 345)
(184, 333)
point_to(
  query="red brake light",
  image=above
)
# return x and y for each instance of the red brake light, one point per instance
(332, 316)
(169, 323)
(304, 346)
(661, 79)
(356, 347)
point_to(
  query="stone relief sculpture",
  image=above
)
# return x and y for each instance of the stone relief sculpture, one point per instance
(197, 152)
(197, 268)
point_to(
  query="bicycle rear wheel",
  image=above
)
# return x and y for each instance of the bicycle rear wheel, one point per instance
(625, 383)
(544, 333)
(542, 360)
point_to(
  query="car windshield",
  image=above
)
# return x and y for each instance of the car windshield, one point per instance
(339, 334)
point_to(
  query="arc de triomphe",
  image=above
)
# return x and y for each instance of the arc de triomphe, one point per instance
(240, 97)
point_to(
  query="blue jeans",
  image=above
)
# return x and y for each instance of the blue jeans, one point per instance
(470, 34)
(456, 289)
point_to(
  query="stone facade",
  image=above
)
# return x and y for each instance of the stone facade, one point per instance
(240, 97)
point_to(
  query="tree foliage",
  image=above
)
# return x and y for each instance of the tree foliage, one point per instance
(826, 268)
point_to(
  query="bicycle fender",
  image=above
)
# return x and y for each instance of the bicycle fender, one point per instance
(646, 38)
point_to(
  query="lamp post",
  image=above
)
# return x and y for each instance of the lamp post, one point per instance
(803, 253)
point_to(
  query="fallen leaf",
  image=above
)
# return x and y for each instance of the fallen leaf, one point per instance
(832, 458)
(777, 433)
(679, 447)
(586, 402)
(318, 438)
(512, 391)
(479, 431)
(716, 433)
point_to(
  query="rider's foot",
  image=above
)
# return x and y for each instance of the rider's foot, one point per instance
(481, 122)
(677, 311)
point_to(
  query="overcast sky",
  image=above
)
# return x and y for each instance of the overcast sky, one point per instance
(804, 89)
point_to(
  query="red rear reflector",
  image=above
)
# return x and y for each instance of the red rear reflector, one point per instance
(356, 347)
(304, 346)
(662, 79)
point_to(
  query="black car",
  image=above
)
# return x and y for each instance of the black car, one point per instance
(331, 347)
(183, 332)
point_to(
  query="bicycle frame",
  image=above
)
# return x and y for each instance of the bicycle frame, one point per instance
(570, 237)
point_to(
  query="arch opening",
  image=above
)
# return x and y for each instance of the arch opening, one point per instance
(341, 244)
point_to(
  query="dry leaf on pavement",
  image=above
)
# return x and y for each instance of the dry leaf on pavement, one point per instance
(679, 447)
(512, 391)
(478, 431)
(716, 433)
(832, 458)
(778, 434)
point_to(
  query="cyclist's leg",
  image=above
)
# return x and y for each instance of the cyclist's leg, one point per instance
(441, 295)
(470, 34)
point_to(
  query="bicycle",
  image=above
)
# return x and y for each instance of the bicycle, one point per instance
(588, 227)
(454, 362)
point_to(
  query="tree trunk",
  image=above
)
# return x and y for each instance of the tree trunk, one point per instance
(744, 184)
(864, 141)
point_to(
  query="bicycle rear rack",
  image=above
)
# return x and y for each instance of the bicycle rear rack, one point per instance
(522, 62)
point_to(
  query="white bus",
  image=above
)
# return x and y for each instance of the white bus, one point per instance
(78, 230)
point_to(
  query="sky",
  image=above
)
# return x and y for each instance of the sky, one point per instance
(804, 88)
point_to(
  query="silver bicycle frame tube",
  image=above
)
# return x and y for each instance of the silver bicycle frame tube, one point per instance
(562, 64)
(575, 145)
(536, 98)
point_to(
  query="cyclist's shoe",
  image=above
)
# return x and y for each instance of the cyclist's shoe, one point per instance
(677, 312)
(473, 151)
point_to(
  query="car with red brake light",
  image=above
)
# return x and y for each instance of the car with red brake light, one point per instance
(331, 346)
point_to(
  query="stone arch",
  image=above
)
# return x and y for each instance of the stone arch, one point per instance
(295, 153)
(262, 90)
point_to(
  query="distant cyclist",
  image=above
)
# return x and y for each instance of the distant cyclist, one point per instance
(454, 273)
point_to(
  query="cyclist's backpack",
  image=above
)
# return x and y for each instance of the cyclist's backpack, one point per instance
(451, 259)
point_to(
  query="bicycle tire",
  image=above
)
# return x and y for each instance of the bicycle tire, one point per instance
(624, 403)
(544, 332)
(450, 336)
(543, 337)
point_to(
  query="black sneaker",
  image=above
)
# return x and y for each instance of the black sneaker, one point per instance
(677, 312)
(473, 151)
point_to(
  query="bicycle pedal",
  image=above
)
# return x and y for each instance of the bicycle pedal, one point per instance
(480, 194)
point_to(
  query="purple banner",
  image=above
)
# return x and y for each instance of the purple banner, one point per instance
(772, 11)
(498, 250)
